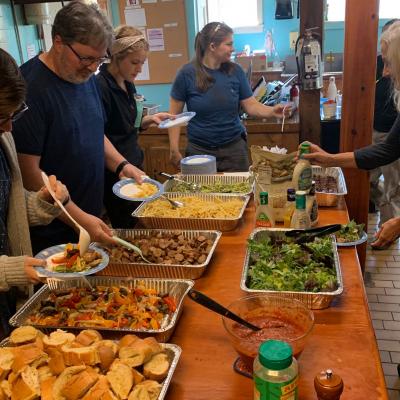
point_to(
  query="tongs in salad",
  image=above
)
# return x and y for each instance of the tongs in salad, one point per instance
(308, 235)
(194, 187)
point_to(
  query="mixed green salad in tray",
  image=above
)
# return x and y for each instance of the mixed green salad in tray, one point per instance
(216, 187)
(350, 232)
(282, 265)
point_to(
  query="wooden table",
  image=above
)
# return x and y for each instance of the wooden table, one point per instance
(342, 339)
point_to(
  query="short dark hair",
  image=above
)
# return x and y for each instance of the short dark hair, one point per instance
(12, 84)
(78, 22)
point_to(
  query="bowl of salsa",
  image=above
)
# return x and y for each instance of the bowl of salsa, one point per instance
(280, 318)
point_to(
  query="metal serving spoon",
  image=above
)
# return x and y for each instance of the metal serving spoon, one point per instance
(174, 203)
(195, 187)
(212, 305)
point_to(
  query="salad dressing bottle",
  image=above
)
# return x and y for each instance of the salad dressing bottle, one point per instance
(264, 213)
(301, 218)
(302, 173)
(312, 205)
(289, 207)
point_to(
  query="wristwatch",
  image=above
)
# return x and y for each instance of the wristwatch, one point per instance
(121, 167)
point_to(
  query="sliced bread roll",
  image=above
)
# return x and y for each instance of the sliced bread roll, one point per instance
(88, 337)
(137, 376)
(6, 361)
(57, 339)
(139, 393)
(153, 388)
(29, 354)
(155, 346)
(56, 361)
(46, 388)
(107, 350)
(24, 334)
(62, 380)
(2, 395)
(121, 380)
(157, 368)
(26, 386)
(136, 354)
(128, 340)
(44, 373)
(80, 355)
(6, 388)
(100, 391)
(79, 384)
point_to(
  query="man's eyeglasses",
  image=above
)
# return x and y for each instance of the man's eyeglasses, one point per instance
(15, 115)
(87, 61)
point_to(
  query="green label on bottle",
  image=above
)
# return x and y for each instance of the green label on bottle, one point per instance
(305, 179)
(264, 390)
(263, 220)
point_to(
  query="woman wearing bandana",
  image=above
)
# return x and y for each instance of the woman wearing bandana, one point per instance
(123, 116)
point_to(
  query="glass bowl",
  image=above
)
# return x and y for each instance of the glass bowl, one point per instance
(279, 317)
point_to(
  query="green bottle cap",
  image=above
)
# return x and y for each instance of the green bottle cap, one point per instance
(305, 148)
(301, 200)
(264, 198)
(275, 355)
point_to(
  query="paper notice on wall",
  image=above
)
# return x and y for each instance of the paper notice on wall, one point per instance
(174, 55)
(31, 50)
(145, 74)
(132, 3)
(155, 37)
(135, 16)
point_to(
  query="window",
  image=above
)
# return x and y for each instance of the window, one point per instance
(388, 9)
(231, 13)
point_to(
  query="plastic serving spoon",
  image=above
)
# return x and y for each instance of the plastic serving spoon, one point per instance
(84, 238)
(130, 246)
(212, 305)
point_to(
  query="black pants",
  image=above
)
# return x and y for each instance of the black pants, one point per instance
(118, 210)
(8, 307)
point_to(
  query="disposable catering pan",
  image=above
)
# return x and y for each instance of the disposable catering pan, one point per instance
(173, 351)
(221, 224)
(170, 185)
(176, 288)
(325, 199)
(176, 271)
(312, 300)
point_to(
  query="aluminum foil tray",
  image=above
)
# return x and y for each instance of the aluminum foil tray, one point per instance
(330, 199)
(315, 301)
(172, 350)
(170, 184)
(177, 288)
(222, 224)
(174, 271)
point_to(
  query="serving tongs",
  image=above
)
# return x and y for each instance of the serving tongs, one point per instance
(212, 305)
(194, 187)
(308, 235)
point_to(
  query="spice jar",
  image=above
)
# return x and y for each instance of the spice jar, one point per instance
(329, 386)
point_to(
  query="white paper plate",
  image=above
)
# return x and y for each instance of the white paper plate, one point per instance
(181, 119)
(119, 189)
(363, 238)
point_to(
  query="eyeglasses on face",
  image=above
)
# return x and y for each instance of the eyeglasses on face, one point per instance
(16, 115)
(87, 61)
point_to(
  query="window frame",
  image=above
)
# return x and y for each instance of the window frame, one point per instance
(246, 29)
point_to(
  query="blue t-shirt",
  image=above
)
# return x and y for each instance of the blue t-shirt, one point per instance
(217, 119)
(64, 125)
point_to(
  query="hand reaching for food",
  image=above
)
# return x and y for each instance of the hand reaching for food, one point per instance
(29, 267)
(387, 234)
(59, 189)
(97, 229)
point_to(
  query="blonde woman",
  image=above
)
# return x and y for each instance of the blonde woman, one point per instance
(381, 153)
(116, 79)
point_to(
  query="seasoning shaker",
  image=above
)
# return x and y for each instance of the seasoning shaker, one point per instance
(329, 386)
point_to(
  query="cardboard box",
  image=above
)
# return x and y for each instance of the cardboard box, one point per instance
(259, 62)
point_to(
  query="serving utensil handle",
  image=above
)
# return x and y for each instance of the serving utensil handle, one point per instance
(212, 305)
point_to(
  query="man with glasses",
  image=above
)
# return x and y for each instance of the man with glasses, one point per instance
(62, 133)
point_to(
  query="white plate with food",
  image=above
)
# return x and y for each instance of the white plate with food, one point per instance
(180, 119)
(129, 189)
(64, 261)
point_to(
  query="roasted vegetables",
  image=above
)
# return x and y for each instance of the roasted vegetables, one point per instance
(105, 307)
(286, 266)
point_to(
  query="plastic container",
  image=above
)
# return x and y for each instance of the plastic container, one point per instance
(275, 371)
(264, 213)
(332, 89)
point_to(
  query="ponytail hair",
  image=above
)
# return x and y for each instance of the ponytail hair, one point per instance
(214, 32)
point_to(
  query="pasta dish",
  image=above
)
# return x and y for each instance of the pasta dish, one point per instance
(194, 207)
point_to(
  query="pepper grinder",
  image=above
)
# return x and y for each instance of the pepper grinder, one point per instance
(329, 386)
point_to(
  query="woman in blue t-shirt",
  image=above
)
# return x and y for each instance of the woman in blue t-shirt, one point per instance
(215, 88)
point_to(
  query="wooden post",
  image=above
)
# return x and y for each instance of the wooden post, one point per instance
(361, 35)
(311, 15)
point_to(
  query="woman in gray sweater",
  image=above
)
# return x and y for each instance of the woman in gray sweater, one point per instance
(19, 208)
(379, 154)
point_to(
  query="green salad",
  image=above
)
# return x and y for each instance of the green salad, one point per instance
(350, 232)
(217, 187)
(286, 266)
